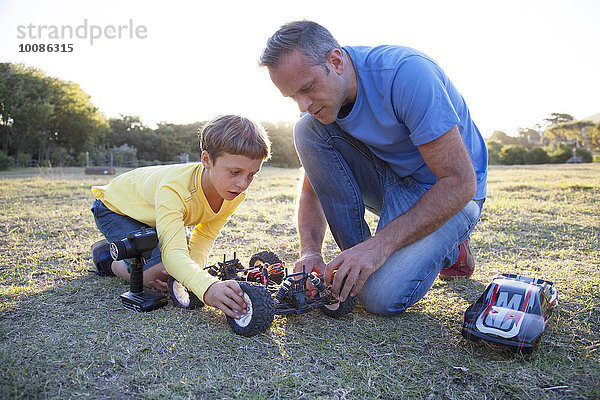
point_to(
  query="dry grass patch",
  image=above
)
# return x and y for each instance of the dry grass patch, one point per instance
(64, 334)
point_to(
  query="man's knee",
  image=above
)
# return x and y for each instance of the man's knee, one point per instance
(398, 284)
(304, 132)
(382, 305)
(384, 299)
(306, 124)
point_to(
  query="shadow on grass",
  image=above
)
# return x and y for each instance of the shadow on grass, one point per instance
(69, 337)
(75, 339)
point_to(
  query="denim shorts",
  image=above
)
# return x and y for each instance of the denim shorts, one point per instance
(115, 227)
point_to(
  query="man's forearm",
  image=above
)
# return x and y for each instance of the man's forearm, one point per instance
(449, 160)
(440, 203)
(455, 187)
(311, 220)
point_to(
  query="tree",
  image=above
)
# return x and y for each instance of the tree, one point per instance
(76, 123)
(43, 114)
(530, 137)
(561, 155)
(536, 156)
(125, 129)
(585, 132)
(594, 137)
(584, 155)
(506, 140)
(24, 105)
(9, 97)
(165, 143)
(511, 155)
(558, 118)
(6, 161)
(179, 139)
(124, 155)
(557, 134)
(282, 144)
(494, 149)
(33, 116)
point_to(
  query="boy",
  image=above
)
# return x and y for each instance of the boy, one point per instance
(171, 197)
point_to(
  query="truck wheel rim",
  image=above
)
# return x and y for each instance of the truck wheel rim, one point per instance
(245, 320)
(181, 293)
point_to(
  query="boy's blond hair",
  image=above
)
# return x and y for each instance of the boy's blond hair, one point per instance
(237, 135)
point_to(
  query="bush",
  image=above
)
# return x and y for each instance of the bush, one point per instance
(124, 154)
(99, 156)
(511, 155)
(283, 152)
(494, 149)
(536, 156)
(24, 159)
(585, 155)
(6, 161)
(596, 158)
(60, 157)
(561, 155)
(82, 160)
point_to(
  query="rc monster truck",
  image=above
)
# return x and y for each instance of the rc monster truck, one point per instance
(268, 290)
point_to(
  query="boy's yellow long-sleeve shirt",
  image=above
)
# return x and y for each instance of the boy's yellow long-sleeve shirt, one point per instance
(169, 198)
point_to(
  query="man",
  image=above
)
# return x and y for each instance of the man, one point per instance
(385, 130)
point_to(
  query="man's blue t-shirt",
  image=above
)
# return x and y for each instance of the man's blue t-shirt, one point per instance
(404, 100)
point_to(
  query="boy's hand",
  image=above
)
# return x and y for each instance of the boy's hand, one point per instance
(228, 297)
(159, 285)
(156, 277)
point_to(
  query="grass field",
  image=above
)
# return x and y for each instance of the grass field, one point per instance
(64, 333)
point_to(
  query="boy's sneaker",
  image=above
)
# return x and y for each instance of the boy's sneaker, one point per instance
(464, 266)
(101, 258)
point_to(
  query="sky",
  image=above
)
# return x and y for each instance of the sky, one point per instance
(514, 62)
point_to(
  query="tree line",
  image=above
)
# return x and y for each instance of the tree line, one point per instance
(46, 121)
(557, 139)
(45, 117)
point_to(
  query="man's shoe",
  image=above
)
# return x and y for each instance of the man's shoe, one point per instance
(101, 258)
(464, 266)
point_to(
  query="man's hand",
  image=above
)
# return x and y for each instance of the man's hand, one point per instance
(311, 262)
(355, 264)
(228, 297)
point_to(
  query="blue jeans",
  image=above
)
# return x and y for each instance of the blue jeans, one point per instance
(116, 227)
(348, 178)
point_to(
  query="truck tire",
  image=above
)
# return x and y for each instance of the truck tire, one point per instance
(338, 310)
(270, 258)
(259, 312)
(180, 296)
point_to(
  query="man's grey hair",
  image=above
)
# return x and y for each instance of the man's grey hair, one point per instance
(309, 37)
